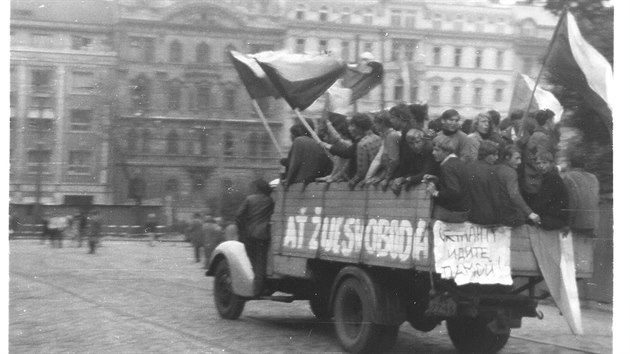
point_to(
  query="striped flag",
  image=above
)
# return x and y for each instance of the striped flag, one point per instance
(254, 78)
(363, 81)
(300, 78)
(543, 99)
(579, 66)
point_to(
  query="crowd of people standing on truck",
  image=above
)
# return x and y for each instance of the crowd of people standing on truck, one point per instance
(498, 172)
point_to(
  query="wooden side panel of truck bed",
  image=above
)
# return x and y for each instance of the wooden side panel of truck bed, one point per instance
(372, 227)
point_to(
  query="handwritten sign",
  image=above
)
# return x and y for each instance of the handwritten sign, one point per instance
(470, 253)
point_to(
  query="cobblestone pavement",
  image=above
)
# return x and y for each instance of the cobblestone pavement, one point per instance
(132, 298)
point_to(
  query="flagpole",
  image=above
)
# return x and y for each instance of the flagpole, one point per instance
(267, 127)
(542, 67)
(310, 130)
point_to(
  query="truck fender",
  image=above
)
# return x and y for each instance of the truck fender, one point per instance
(241, 270)
(389, 309)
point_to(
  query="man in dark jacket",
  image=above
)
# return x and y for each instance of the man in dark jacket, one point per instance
(552, 200)
(452, 202)
(253, 225)
(483, 186)
(418, 163)
(307, 160)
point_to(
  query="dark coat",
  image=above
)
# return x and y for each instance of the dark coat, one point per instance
(415, 165)
(552, 201)
(513, 211)
(307, 161)
(253, 217)
(452, 186)
(484, 193)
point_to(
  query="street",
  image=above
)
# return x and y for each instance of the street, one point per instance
(132, 298)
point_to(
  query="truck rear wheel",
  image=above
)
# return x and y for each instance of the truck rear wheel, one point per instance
(473, 335)
(227, 303)
(353, 310)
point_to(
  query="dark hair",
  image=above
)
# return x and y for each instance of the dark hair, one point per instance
(543, 115)
(383, 118)
(517, 114)
(299, 130)
(487, 148)
(577, 159)
(509, 151)
(467, 126)
(495, 117)
(449, 113)
(261, 186)
(402, 112)
(435, 125)
(420, 112)
(362, 121)
(443, 145)
(340, 123)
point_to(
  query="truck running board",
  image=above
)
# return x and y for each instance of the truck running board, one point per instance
(278, 298)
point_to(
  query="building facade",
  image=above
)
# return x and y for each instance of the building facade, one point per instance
(133, 101)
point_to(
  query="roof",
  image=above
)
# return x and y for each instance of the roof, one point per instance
(94, 12)
(538, 14)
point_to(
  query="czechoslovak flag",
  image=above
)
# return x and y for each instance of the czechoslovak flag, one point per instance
(300, 78)
(582, 68)
(254, 78)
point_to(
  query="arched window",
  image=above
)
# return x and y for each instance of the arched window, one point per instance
(399, 90)
(456, 97)
(172, 143)
(174, 95)
(146, 141)
(140, 93)
(175, 52)
(203, 53)
(478, 85)
(228, 144)
(132, 140)
(252, 145)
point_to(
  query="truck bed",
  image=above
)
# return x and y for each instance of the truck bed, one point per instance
(372, 227)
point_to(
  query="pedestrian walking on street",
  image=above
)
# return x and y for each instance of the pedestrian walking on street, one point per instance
(81, 227)
(151, 229)
(196, 235)
(94, 230)
(213, 236)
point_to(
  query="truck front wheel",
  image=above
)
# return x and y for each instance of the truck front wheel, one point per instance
(227, 303)
(473, 335)
(352, 311)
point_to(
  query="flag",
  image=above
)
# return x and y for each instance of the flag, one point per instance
(579, 66)
(543, 99)
(300, 78)
(252, 75)
(362, 81)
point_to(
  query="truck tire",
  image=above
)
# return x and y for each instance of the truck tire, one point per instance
(473, 335)
(227, 303)
(352, 312)
(319, 307)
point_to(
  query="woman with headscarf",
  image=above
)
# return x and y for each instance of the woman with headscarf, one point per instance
(252, 221)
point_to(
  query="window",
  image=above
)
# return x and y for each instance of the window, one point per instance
(299, 45)
(42, 79)
(399, 90)
(478, 58)
(457, 95)
(83, 81)
(146, 141)
(203, 97)
(477, 96)
(528, 65)
(266, 145)
(132, 140)
(410, 49)
(42, 40)
(479, 26)
(79, 161)
(345, 50)
(459, 23)
(202, 53)
(38, 161)
(500, 55)
(299, 14)
(410, 20)
(437, 22)
(323, 14)
(81, 43)
(345, 15)
(252, 145)
(172, 144)
(230, 99)
(323, 46)
(437, 55)
(367, 47)
(140, 93)
(142, 49)
(174, 96)
(396, 18)
(458, 57)
(80, 120)
(203, 142)
(228, 144)
(175, 52)
(434, 97)
(367, 17)
(41, 108)
(501, 26)
(498, 95)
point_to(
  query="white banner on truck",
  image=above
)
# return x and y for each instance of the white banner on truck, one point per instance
(470, 253)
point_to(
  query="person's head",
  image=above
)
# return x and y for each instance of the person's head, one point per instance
(417, 140)
(450, 120)
(218, 220)
(488, 152)
(360, 124)
(260, 186)
(298, 130)
(495, 117)
(482, 123)
(420, 113)
(544, 161)
(401, 117)
(340, 123)
(543, 115)
(517, 115)
(382, 121)
(512, 156)
(441, 151)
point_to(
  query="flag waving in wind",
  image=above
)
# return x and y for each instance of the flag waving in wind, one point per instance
(254, 78)
(543, 99)
(361, 81)
(581, 67)
(300, 78)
